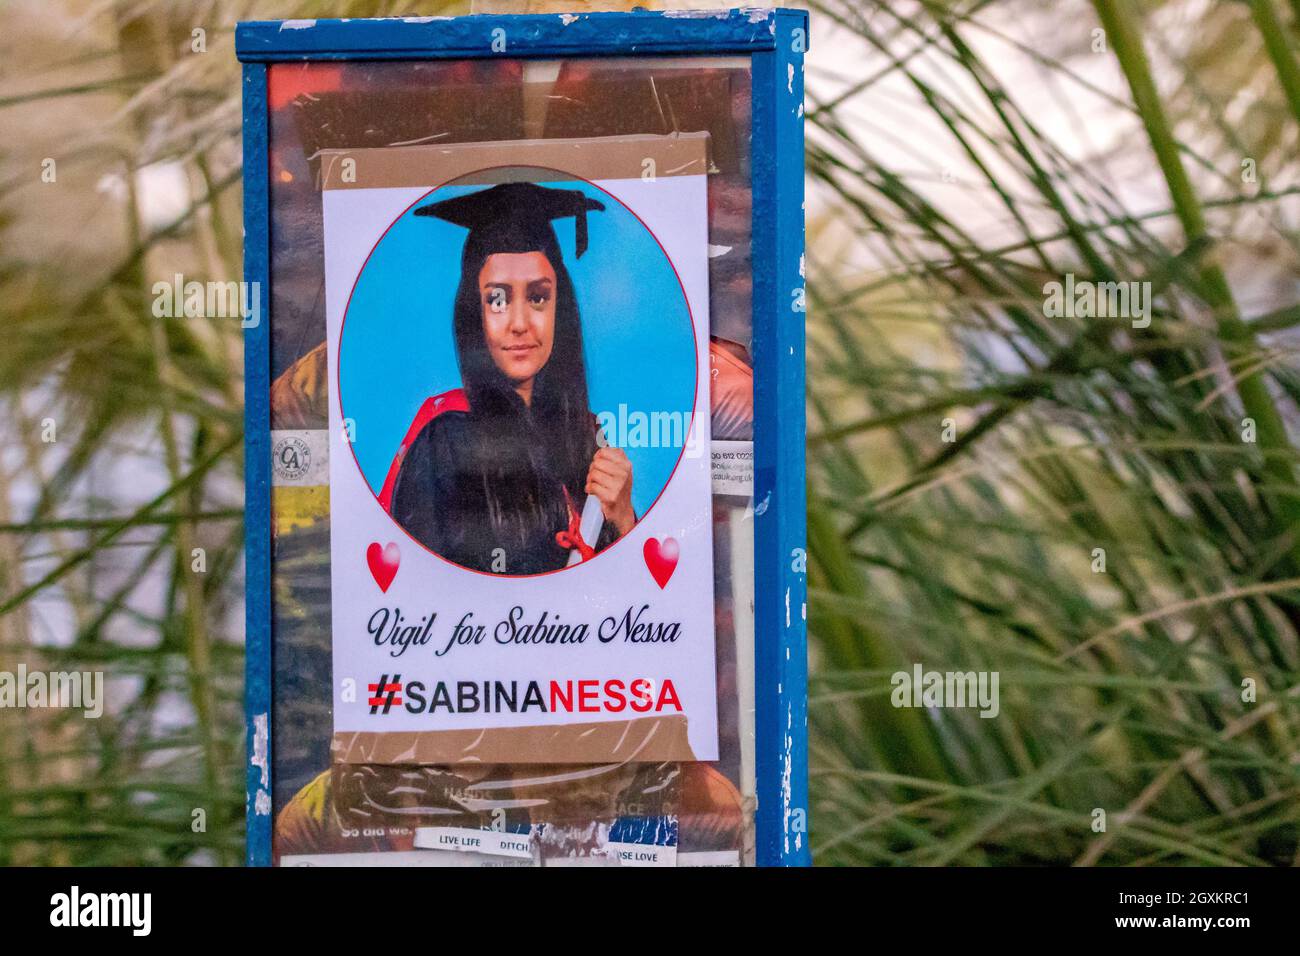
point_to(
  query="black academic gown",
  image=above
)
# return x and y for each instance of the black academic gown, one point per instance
(447, 495)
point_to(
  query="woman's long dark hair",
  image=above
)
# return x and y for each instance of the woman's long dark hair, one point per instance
(521, 449)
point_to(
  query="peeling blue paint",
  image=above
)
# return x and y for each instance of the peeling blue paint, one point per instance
(781, 656)
(257, 473)
(531, 35)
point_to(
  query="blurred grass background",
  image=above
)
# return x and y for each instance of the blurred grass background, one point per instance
(1068, 502)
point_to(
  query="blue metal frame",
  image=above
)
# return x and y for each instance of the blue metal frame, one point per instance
(257, 471)
(780, 505)
(532, 35)
(776, 41)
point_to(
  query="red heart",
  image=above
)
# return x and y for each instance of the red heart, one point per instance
(383, 563)
(661, 559)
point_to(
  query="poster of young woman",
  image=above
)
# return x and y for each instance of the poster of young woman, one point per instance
(519, 467)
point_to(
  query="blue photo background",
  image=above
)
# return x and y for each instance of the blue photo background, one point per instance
(397, 347)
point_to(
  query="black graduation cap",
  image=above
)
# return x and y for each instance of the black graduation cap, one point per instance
(515, 217)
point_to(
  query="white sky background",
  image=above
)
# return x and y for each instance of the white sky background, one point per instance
(1087, 119)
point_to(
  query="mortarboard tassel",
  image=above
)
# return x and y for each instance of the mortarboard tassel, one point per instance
(580, 231)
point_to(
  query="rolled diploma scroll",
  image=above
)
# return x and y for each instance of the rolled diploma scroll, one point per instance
(589, 527)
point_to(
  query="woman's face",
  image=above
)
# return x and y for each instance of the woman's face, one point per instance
(517, 292)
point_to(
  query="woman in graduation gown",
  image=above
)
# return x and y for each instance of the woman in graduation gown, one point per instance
(494, 476)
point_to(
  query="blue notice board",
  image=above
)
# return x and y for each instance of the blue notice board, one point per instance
(711, 98)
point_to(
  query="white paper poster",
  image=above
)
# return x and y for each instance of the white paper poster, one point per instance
(519, 469)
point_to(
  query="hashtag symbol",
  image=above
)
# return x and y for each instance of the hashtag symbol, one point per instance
(385, 694)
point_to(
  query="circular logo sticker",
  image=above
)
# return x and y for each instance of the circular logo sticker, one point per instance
(290, 457)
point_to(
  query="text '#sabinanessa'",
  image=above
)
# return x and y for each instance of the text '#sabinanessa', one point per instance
(591, 696)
